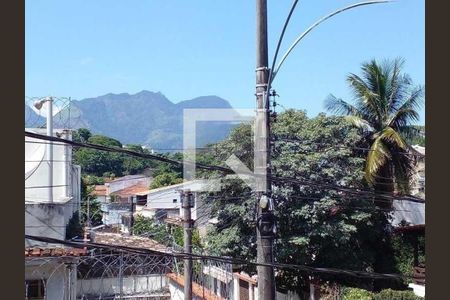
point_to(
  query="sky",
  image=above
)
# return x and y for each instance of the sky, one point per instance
(186, 49)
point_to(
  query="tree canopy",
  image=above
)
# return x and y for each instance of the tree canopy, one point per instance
(386, 105)
(316, 226)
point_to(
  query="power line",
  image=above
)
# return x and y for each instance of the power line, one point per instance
(219, 168)
(300, 142)
(335, 271)
(126, 151)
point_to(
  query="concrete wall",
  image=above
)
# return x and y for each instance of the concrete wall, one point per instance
(43, 218)
(126, 181)
(49, 220)
(37, 168)
(141, 284)
(60, 281)
(177, 292)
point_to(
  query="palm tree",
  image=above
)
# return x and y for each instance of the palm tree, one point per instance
(385, 105)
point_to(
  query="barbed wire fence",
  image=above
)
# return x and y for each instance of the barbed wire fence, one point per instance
(65, 114)
(99, 273)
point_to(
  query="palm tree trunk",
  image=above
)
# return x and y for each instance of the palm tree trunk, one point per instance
(384, 186)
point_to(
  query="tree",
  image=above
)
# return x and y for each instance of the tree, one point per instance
(97, 162)
(81, 135)
(89, 203)
(316, 226)
(149, 228)
(386, 103)
(165, 179)
(163, 234)
(134, 165)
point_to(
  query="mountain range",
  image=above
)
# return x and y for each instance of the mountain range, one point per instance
(145, 118)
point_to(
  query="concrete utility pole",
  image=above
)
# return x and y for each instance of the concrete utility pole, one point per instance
(265, 220)
(132, 210)
(187, 202)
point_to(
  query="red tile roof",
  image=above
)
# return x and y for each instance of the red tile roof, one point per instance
(175, 221)
(118, 239)
(99, 190)
(139, 189)
(54, 252)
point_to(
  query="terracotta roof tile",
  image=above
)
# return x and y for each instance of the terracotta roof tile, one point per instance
(118, 239)
(99, 190)
(54, 252)
(139, 189)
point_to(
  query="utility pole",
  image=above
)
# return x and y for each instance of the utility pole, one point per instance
(132, 210)
(265, 217)
(187, 202)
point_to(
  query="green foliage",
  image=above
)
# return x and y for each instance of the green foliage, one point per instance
(108, 164)
(149, 228)
(417, 139)
(403, 245)
(98, 162)
(386, 104)
(387, 294)
(74, 227)
(316, 226)
(163, 233)
(356, 294)
(82, 135)
(93, 180)
(165, 179)
(94, 213)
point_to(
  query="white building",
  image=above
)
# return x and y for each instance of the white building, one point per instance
(50, 271)
(42, 217)
(165, 202)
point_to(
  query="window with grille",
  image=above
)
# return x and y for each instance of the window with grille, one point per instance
(34, 290)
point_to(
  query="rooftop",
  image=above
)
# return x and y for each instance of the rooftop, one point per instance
(118, 239)
(99, 190)
(54, 252)
(140, 189)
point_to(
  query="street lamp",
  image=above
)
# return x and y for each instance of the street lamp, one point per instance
(38, 105)
(273, 71)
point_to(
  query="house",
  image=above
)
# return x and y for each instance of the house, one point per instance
(112, 274)
(44, 216)
(418, 184)
(165, 204)
(408, 219)
(120, 197)
(51, 272)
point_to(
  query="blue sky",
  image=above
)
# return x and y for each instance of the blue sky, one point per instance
(186, 49)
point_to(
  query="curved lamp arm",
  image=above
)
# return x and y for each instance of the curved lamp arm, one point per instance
(274, 73)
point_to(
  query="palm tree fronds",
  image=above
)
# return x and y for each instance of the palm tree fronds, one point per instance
(393, 137)
(408, 110)
(403, 172)
(360, 123)
(339, 106)
(377, 157)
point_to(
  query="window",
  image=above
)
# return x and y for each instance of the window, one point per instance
(175, 200)
(34, 289)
